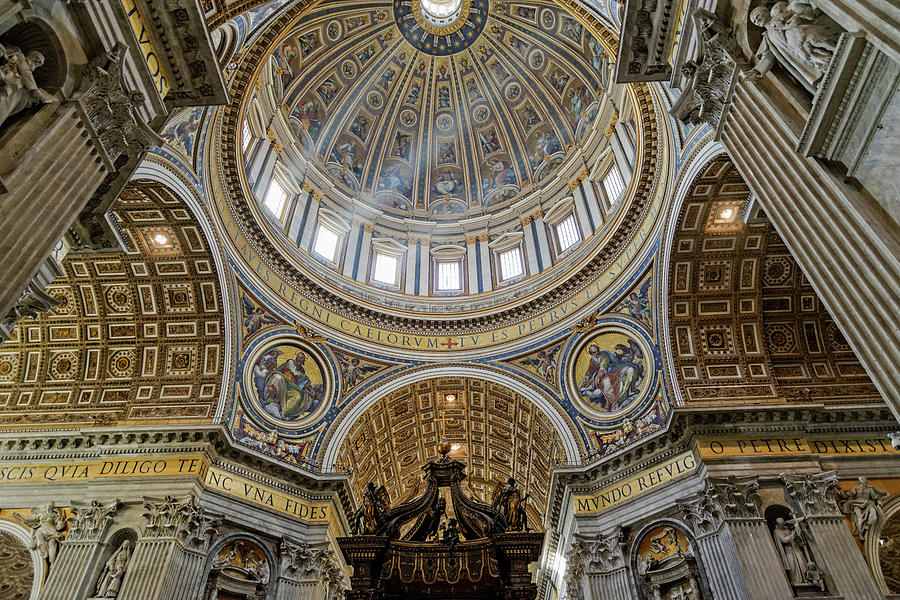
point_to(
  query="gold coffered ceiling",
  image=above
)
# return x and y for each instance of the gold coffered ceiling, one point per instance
(495, 431)
(137, 336)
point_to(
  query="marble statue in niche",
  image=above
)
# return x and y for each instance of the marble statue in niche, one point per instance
(47, 524)
(18, 89)
(796, 556)
(799, 37)
(862, 504)
(110, 581)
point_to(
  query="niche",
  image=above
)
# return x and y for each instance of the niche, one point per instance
(239, 571)
(667, 567)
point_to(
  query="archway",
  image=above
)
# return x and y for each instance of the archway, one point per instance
(495, 430)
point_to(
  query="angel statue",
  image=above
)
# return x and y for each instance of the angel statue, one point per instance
(370, 516)
(18, 90)
(797, 35)
(863, 504)
(509, 503)
(47, 524)
(110, 581)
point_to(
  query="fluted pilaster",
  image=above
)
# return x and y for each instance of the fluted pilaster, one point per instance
(717, 553)
(75, 568)
(834, 547)
(168, 558)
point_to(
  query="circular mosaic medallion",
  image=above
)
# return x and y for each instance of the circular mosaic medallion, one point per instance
(286, 383)
(333, 30)
(348, 69)
(536, 59)
(445, 122)
(548, 19)
(481, 113)
(463, 26)
(408, 118)
(375, 100)
(611, 372)
(513, 91)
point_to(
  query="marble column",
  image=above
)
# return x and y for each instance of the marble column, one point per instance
(543, 242)
(365, 250)
(49, 204)
(717, 553)
(833, 546)
(596, 211)
(484, 260)
(472, 263)
(763, 572)
(351, 258)
(581, 210)
(312, 219)
(531, 247)
(424, 250)
(168, 559)
(413, 257)
(828, 226)
(309, 572)
(74, 572)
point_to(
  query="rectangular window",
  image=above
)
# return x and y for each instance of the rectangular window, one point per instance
(386, 267)
(326, 243)
(246, 136)
(614, 185)
(511, 264)
(276, 198)
(567, 233)
(448, 276)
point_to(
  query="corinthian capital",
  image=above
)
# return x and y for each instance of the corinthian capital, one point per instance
(88, 523)
(737, 496)
(301, 561)
(180, 518)
(813, 493)
(703, 510)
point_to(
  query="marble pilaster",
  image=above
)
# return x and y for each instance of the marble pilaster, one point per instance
(717, 552)
(309, 572)
(169, 557)
(74, 570)
(833, 545)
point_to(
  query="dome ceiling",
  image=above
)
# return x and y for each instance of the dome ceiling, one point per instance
(440, 120)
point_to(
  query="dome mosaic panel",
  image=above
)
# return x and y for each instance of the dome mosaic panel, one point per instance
(439, 121)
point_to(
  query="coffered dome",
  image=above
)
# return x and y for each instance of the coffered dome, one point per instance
(440, 108)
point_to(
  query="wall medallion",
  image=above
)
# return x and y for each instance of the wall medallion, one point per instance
(286, 383)
(611, 372)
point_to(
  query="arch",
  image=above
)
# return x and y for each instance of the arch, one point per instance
(37, 561)
(342, 425)
(188, 194)
(872, 546)
(689, 173)
(220, 543)
(688, 532)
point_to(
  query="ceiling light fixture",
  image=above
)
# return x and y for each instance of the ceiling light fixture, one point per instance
(726, 213)
(161, 239)
(450, 397)
(454, 447)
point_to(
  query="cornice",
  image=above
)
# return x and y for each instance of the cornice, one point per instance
(213, 441)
